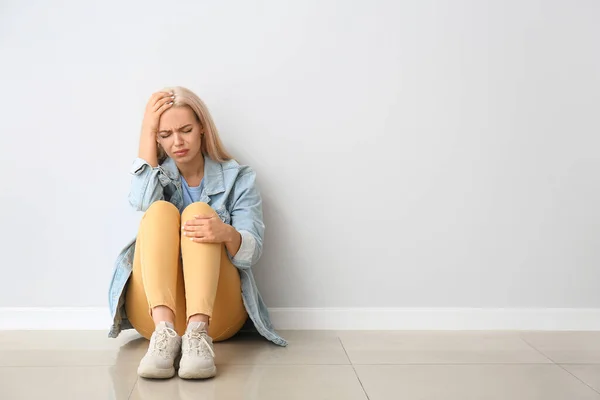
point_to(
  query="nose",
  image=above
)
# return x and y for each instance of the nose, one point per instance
(178, 139)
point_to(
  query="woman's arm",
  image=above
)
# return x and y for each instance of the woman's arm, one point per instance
(158, 103)
(145, 185)
(234, 241)
(148, 148)
(247, 220)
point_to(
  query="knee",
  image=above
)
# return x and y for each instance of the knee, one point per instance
(162, 208)
(196, 209)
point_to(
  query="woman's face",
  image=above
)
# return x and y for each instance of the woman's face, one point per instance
(180, 134)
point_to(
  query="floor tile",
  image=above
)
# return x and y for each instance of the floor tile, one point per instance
(472, 382)
(432, 347)
(588, 373)
(259, 382)
(304, 347)
(49, 383)
(567, 347)
(69, 348)
(50, 340)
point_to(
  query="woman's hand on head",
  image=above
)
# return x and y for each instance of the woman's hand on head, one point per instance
(207, 229)
(159, 102)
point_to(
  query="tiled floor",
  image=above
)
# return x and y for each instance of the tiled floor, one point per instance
(344, 365)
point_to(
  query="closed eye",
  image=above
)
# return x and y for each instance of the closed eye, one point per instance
(184, 129)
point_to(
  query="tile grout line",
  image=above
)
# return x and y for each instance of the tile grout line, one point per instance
(458, 364)
(137, 378)
(354, 369)
(536, 349)
(75, 366)
(557, 364)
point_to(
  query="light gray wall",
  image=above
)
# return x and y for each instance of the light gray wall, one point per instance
(410, 153)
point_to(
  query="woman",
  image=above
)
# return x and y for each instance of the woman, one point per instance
(186, 279)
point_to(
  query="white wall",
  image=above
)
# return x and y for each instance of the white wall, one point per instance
(410, 153)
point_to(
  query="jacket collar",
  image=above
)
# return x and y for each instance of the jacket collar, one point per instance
(213, 174)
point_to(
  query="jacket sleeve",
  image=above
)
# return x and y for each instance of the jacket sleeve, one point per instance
(247, 219)
(145, 185)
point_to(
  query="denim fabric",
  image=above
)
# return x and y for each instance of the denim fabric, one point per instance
(229, 188)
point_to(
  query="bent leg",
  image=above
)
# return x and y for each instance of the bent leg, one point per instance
(212, 282)
(157, 277)
(201, 267)
(229, 314)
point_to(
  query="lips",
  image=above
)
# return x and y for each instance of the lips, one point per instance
(181, 152)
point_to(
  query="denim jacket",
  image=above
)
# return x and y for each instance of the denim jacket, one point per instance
(229, 188)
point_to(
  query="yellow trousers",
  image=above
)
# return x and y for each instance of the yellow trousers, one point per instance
(190, 278)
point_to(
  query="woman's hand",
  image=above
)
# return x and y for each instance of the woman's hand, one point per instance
(159, 102)
(208, 229)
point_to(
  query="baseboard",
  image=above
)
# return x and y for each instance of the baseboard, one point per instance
(584, 319)
(97, 318)
(54, 318)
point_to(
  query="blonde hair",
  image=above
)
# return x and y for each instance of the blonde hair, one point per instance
(211, 142)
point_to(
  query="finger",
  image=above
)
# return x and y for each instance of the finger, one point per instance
(164, 95)
(164, 107)
(193, 234)
(192, 222)
(157, 96)
(192, 228)
(154, 97)
(203, 216)
(161, 102)
(203, 240)
(198, 235)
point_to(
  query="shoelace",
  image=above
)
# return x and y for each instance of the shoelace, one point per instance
(162, 340)
(196, 339)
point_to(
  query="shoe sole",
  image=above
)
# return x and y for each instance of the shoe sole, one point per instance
(157, 373)
(198, 374)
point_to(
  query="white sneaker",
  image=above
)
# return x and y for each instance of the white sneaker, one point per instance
(198, 355)
(162, 352)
